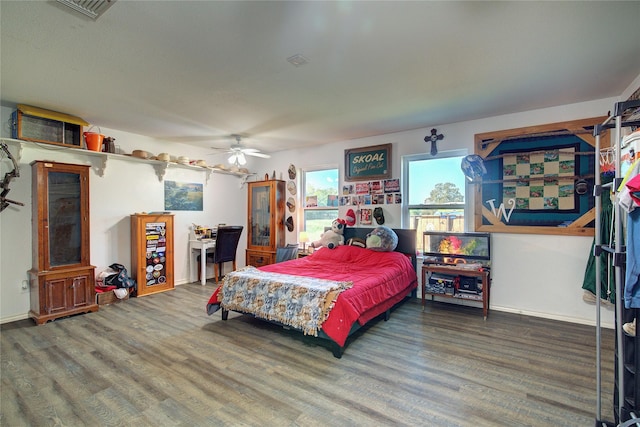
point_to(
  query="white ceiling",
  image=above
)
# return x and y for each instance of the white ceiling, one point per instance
(198, 71)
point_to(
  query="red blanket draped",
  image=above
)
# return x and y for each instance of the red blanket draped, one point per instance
(380, 280)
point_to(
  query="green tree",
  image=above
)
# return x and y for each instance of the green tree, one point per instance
(322, 194)
(446, 192)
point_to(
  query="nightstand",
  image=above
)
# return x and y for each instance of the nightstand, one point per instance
(302, 254)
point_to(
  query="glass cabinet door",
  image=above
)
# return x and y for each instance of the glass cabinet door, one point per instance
(260, 215)
(65, 225)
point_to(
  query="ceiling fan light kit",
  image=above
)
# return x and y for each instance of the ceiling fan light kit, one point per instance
(237, 159)
(239, 153)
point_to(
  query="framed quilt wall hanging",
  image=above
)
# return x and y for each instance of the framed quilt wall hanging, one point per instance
(539, 179)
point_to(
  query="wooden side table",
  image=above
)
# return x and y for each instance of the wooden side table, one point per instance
(482, 275)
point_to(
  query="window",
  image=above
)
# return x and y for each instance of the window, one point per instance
(434, 188)
(319, 200)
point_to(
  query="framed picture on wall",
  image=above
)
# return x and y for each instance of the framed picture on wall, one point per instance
(368, 163)
(533, 179)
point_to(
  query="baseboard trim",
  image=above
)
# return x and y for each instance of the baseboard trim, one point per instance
(607, 325)
(14, 318)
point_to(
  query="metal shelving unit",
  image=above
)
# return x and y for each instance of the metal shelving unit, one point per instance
(627, 352)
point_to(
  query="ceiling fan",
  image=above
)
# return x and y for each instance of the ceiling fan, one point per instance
(238, 152)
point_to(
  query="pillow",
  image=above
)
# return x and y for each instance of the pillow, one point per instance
(356, 241)
(382, 239)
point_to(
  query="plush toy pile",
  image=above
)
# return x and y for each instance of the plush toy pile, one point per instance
(381, 238)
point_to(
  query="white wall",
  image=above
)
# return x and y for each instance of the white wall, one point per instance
(125, 188)
(532, 274)
(538, 275)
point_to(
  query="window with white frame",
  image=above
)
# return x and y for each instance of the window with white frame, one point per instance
(319, 200)
(434, 193)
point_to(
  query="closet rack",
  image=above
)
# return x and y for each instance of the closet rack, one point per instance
(626, 397)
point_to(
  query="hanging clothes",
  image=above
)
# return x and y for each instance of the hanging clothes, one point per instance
(632, 277)
(607, 272)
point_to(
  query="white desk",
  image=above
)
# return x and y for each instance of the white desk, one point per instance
(202, 246)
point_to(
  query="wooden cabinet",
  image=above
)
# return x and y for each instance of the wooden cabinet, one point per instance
(152, 253)
(266, 221)
(62, 281)
(461, 283)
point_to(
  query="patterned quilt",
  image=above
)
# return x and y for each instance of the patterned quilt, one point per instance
(301, 302)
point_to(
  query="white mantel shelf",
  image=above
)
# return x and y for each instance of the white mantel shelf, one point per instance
(99, 159)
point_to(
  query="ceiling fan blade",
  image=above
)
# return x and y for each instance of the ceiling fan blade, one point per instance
(221, 150)
(256, 154)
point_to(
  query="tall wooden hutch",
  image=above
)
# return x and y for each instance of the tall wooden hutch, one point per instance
(62, 281)
(266, 221)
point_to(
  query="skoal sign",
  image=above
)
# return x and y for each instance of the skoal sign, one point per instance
(367, 163)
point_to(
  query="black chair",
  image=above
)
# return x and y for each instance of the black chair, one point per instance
(227, 238)
(287, 252)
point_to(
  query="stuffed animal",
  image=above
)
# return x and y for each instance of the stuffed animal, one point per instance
(331, 238)
(382, 239)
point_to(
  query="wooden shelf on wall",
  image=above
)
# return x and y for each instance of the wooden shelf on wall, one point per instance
(99, 159)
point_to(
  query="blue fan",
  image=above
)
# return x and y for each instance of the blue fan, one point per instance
(473, 167)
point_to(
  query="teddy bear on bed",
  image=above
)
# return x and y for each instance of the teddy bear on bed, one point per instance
(331, 238)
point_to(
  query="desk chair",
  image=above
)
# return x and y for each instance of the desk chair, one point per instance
(227, 238)
(287, 252)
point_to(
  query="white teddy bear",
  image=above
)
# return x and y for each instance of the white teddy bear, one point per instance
(331, 238)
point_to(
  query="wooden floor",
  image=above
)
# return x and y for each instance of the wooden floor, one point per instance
(159, 360)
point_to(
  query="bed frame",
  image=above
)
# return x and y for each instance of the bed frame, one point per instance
(406, 245)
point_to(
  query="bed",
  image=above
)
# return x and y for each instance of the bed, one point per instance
(329, 294)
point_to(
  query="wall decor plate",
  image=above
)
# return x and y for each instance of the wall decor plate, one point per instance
(291, 186)
(292, 171)
(291, 204)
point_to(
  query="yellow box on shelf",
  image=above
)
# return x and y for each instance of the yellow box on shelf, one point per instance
(46, 126)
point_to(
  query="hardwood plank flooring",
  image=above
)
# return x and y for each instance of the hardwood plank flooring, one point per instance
(160, 360)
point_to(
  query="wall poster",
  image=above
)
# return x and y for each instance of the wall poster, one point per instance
(378, 192)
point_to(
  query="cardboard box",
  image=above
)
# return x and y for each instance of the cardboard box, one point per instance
(104, 298)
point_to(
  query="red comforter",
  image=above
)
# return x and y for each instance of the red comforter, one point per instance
(380, 280)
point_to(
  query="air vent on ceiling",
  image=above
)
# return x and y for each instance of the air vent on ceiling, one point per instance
(297, 60)
(91, 8)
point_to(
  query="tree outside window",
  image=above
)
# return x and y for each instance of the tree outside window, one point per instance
(435, 188)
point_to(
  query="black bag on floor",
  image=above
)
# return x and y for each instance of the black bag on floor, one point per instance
(120, 279)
